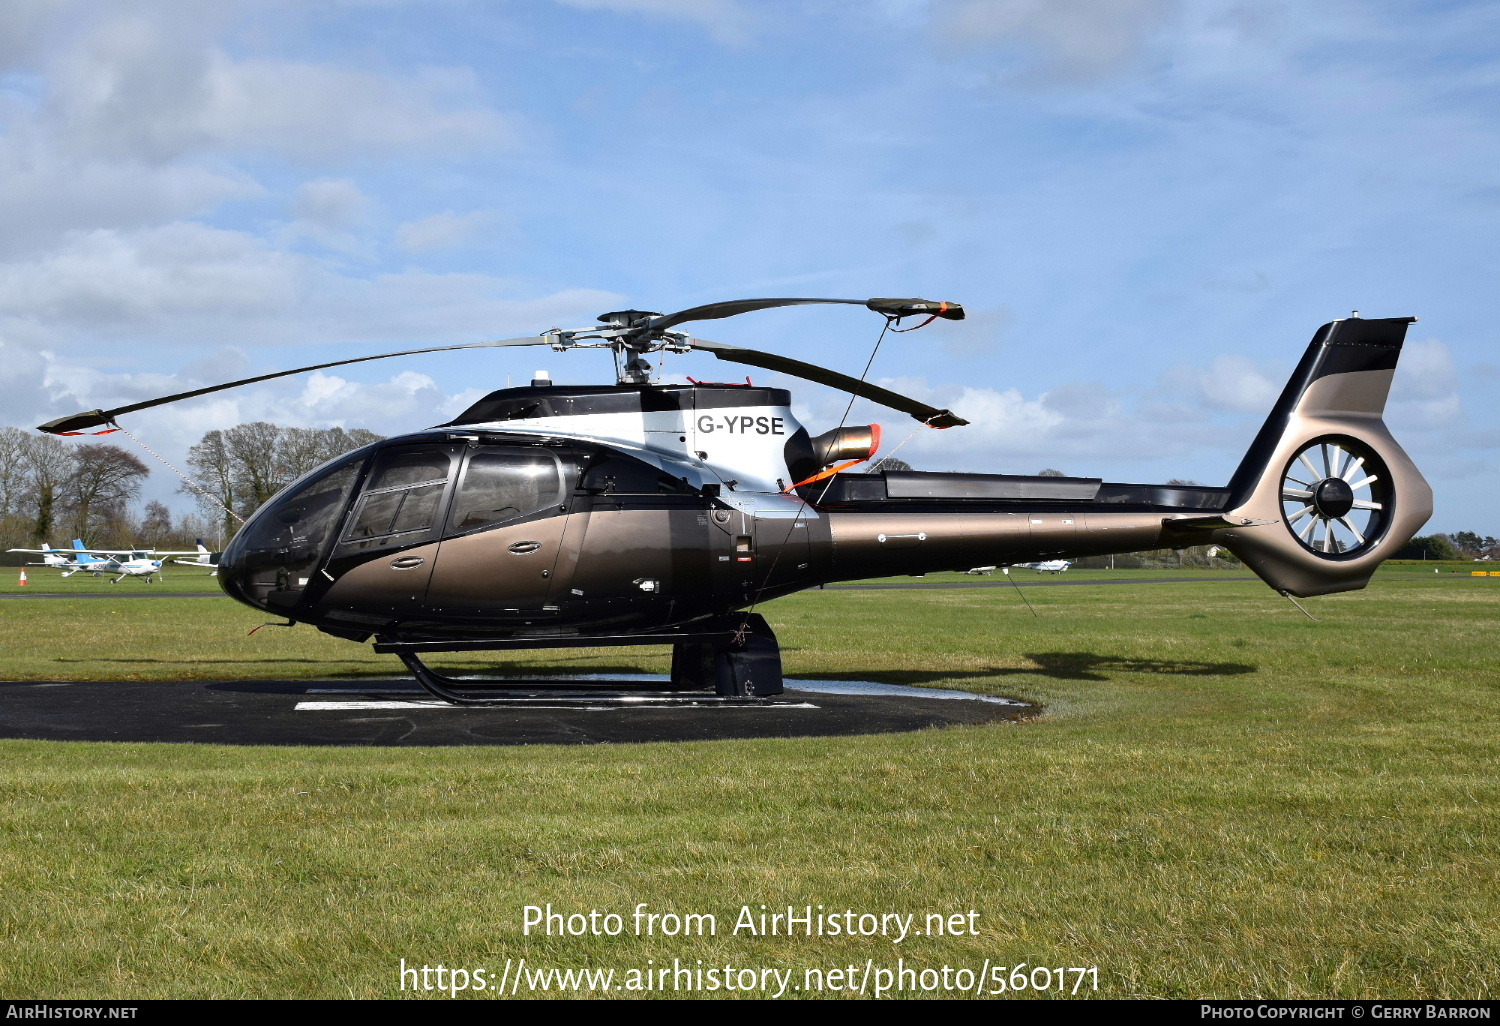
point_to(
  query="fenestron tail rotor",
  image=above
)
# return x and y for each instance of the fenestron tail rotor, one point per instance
(1335, 495)
(631, 334)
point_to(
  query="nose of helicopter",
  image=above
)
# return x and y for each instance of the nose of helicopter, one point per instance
(235, 580)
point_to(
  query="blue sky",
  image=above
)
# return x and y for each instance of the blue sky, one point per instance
(1147, 206)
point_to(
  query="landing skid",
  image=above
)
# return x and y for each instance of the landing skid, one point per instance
(742, 665)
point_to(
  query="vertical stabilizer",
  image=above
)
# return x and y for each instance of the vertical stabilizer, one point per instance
(1329, 491)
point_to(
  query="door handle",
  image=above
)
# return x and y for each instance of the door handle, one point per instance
(520, 548)
(407, 563)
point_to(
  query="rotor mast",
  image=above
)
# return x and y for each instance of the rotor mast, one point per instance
(632, 344)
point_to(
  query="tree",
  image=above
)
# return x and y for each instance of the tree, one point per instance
(213, 472)
(302, 449)
(156, 525)
(244, 466)
(1473, 545)
(1049, 472)
(889, 463)
(1435, 546)
(48, 464)
(101, 480)
(13, 483)
(253, 451)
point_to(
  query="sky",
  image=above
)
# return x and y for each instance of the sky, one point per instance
(1147, 207)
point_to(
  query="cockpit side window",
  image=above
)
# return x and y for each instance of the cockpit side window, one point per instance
(402, 498)
(500, 485)
(295, 527)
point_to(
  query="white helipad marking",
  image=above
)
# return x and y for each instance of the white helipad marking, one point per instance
(868, 687)
(824, 687)
(616, 703)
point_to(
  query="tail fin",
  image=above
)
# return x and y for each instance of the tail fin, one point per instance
(1325, 492)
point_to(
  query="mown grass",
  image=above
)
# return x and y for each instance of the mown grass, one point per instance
(1221, 799)
(44, 580)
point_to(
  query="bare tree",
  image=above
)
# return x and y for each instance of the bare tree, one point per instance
(246, 465)
(156, 524)
(303, 449)
(213, 471)
(48, 464)
(253, 452)
(13, 483)
(1049, 472)
(103, 478)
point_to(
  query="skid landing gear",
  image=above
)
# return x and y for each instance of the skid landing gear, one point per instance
(748, 665)
(736, 656)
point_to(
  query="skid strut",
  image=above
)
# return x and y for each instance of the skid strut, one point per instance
(739, 659)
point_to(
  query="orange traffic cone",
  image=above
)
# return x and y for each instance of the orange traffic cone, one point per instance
(23, 578)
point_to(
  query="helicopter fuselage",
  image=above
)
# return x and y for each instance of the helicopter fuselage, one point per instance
(610, 519)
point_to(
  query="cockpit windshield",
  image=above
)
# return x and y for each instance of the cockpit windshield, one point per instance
(296, 527)
(270, 560)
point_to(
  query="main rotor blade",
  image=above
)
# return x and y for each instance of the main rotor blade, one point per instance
(929, 415)
(730, 308)
(95, 418)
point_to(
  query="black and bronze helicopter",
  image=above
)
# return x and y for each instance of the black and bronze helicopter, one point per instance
(642, 513)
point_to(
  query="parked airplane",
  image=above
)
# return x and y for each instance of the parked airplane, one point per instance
(1050, 566)
(69, 561)
(52, 557)
(204, 558)
(143, 563)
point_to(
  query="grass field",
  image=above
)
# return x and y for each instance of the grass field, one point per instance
(44, 580)
(1222, 798)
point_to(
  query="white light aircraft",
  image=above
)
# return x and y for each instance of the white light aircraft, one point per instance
(203, 558)
(142, 563)
(1050, 566)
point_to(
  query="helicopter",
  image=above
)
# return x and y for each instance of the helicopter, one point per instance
(646, 513)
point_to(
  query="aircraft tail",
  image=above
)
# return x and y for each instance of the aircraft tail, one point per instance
(1324, 493)
(80, 556)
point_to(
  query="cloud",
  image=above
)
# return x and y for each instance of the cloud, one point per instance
(1424, 394)
(146, 83)
(440, 231)
(187, 282)
(329, 211)
(726, 20)
(1231, 383)
(44, 193)
(162, 279)
(1073, 39)
(1426, 372)
(336, 204)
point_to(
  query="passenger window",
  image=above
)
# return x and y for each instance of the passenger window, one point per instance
(500, 486)
(403, 496)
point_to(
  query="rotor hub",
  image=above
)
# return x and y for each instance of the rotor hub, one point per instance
(627, 318)
(1333, 498)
